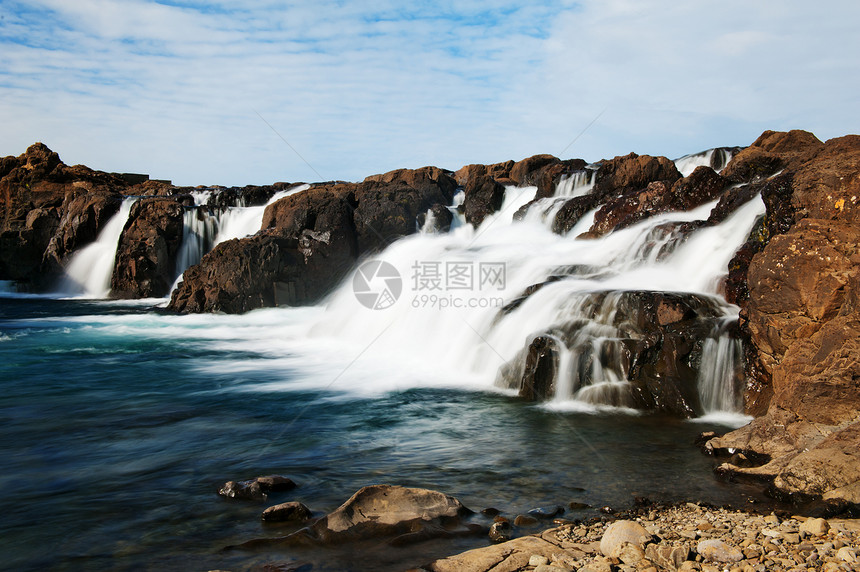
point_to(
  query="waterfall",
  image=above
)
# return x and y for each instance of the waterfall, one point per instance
(716, 158)
(241, 221)
(576, 184)
(719, 372)
(198, 237)
(89, 271)
(552, 286)
(202, 230)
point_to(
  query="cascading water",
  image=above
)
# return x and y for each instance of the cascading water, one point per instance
(576, 184)
(202, 229)
(198, 237)
(450, 326)
(89, 271)
(716, 158)
(720, 374)
(241, 221)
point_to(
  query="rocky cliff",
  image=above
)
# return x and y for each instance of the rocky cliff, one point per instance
(800, 317)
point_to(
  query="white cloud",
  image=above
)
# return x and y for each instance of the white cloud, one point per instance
(361, 87)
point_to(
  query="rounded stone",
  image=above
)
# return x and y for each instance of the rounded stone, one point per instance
(620, 532)
(287, 512)
(715, 550)
(815, 526)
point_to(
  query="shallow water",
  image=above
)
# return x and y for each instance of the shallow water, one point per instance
(119, 423)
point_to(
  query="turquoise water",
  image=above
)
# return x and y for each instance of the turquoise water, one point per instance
(120, 422)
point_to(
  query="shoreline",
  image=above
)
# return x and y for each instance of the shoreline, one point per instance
(682, 536)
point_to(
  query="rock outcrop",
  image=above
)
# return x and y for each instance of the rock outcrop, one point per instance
(49, 209)
(310, 241)
(802, 320)
(146, 255)
(651, 342)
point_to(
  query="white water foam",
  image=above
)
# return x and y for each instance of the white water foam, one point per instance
(423, 340)
(89, 271)
(239, 222)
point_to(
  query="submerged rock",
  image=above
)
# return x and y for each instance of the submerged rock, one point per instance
(386, 511)
(256, 489)
(287, 512)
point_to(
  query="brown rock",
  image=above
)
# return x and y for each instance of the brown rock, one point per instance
(287, 512)
(48, 209)
(146, 254)
(528, 171)
(385, 511)
(802, 321)
(634, 172)
(771, 152)
(620, 532)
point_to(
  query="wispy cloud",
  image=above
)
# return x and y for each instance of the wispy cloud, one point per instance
(174, 88)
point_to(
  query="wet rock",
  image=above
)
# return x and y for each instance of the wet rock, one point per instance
(246, 490)
(386, 511)
(310, 241)
(656, 348)
(525, 520)
(549, 176)
(500, 531)
(256, 489)
(440, 219)
(546, 512)
(572, 212)
(484, 196)
(620, 532)
(287, 512)
(146, 254)
(48, 209)
(631, 207)
(541, 370)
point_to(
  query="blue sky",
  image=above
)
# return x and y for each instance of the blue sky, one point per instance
(187, 90)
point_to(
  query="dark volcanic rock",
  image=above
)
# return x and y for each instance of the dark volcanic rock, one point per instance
(541, 369)
(84, 215)
(256, 489)
(310, 241)
(441, 218)
(702, 185)
(261, 271)
(146, 255)
(47, 209)
(656, 346)
(632, 207)
(484, 196)
(629, 188)
(572, 212)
